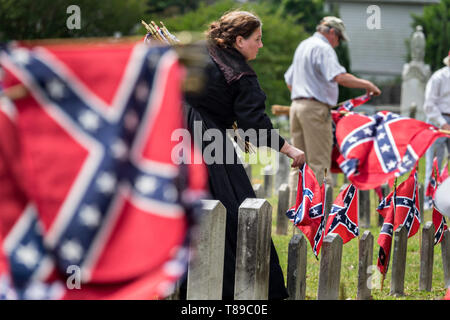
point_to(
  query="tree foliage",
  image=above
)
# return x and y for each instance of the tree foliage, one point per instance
(436, 26)
(30, 19)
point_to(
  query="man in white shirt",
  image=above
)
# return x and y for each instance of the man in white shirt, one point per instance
(437, 110)
(313, 80)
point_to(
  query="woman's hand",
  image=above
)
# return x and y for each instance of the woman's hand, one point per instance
(295, 154)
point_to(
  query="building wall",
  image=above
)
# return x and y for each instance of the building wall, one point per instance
(378, 53)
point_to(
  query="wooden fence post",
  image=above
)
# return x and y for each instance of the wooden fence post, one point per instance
(365, 261)
(296, 268)
(364, 208)
(253, 250)
(268, 181)
(283, 206)
(330, 268)
(426, 257)
(445, 254)
(399, 261)
(259, 191)
(329, 199)
(205, 272)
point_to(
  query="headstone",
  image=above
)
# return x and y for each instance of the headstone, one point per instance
(445, 254)
(282, 171)
(330, 268)
(365, 262)
(259, 190)
(364, 208)
(399, 261)
(414, 77)
(426, 257)
(283, 206)
(268, 181)
(296, 269)
(253, 250)
(205, 272)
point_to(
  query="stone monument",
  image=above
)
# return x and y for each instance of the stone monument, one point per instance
(414, 78)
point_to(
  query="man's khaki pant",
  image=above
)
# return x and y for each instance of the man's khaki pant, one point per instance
(311, 131)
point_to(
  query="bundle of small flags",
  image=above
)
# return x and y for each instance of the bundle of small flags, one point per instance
(154, 32)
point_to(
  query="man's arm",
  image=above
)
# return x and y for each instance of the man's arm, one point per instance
(350, 81)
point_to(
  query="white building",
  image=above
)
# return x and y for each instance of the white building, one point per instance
(378, 31)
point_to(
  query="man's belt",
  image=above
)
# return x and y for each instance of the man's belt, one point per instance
(312, 99)
(446, 114)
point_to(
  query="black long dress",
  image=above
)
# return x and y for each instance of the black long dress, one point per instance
(232, 93)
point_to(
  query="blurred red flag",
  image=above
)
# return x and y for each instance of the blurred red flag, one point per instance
(88, 188)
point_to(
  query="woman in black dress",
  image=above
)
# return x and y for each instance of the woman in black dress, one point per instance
(232, 93)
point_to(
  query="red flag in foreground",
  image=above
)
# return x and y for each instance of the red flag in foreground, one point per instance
(377, 148)
(343, 217)
(93, 206)
(308, 212)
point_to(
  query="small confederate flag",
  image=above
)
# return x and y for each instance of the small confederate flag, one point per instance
(88, 187)
(377, 148)
(336, 115)
(432, 185)
(386, 210)
(407, 205)
(400, 207)
(308, 212)
(352, 103)
(343, 218)
(439, 222)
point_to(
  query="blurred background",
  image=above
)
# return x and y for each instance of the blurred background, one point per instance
(380, 32)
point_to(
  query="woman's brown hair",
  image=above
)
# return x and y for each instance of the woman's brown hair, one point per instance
(224, 32)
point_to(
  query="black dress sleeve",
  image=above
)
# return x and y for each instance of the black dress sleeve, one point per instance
(249, 109)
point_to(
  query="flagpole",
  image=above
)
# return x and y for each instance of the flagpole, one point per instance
(393, 223)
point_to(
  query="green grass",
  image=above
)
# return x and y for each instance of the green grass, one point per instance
(349, 266)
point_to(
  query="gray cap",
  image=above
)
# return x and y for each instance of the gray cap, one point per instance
(336, 23)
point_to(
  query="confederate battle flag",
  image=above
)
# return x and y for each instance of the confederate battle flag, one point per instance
(400, 207)
(308, 212)
(439, 222)
(87, 183)
(377, 148)
(343, 217)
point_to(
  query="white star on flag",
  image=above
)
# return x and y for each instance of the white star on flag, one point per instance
(71, 250)
(146, 185)
(391, 164)
(90, 216)
(385, 148)
(368, 131)
(106, 182)
(55, 88)
(28, 255)
(89, 120)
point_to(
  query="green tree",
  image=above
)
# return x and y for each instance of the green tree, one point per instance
(29, 19)
(436, 26)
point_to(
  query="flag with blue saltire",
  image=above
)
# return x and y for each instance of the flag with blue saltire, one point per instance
(374, 149)
(88, 185)
(343, 217)
(308, 212)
